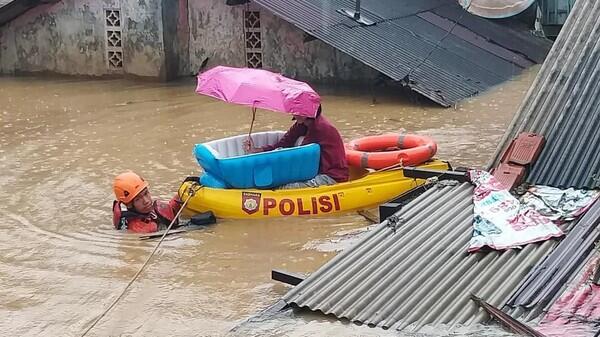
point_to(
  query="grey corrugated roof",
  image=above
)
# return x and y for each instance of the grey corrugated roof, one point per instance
(563, 105)
(419, 273)
(544, 282)
(555, 12)
(405, 43)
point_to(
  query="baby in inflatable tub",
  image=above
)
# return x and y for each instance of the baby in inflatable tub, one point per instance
(333, 167)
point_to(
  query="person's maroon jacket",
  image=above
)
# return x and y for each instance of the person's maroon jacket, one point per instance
(333, 156)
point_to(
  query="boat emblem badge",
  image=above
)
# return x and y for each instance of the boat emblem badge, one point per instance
(250, 202)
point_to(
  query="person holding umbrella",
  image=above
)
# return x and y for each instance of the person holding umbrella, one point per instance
(259, 88)
(333, 167)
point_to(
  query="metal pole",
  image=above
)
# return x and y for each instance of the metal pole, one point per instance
(357, 10)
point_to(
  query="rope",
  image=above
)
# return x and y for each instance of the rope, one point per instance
(398, 165)
(435, 47)
(431, 181)
(191, 193)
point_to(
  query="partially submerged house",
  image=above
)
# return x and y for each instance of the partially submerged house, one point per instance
(413, 270)
(433, 47)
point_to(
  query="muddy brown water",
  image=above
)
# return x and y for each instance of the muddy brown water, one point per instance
(61, 263)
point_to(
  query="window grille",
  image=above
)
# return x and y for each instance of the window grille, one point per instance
(253, 39)
(114, 41)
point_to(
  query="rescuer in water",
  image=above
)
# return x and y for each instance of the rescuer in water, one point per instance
(134, 209)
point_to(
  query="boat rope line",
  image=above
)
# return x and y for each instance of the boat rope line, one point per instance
(191, 191)
(398, 166)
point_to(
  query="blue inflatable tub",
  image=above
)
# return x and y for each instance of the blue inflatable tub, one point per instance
(227, 166)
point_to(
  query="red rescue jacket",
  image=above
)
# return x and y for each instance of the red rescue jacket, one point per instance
(160, 217)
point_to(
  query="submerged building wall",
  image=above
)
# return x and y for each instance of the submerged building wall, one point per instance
(86, 37)
(247, 35)
(216, 34)
(143, 52)
(165, 39)
(285, 49)
(67, 37)
(176, 30)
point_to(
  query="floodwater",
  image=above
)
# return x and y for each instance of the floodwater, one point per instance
(61, 263)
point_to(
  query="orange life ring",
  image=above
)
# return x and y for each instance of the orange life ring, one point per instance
(383, 151)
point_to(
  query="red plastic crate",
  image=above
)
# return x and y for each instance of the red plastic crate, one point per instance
(525, 149)
(509, 175)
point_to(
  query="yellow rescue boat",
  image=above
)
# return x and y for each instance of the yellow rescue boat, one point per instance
(366, 189)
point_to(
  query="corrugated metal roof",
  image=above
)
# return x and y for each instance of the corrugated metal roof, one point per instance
(420, 43)
(576, 312)
(555, 12)
(418, 273)
(544, 282)
(563, 105)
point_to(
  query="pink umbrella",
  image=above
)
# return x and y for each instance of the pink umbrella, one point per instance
(259, 88)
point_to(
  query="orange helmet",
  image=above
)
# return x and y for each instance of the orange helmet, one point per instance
(128, 185)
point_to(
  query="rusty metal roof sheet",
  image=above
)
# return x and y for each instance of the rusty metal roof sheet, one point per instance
(576, 312)
(415, 271)
(563, 105)
(544, 282)
(432, 46)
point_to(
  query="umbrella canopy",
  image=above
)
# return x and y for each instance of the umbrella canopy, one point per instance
(259, 88)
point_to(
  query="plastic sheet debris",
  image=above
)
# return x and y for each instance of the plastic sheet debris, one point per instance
(559, 205)
(500, 221)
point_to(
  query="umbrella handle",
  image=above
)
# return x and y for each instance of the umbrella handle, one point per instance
(251, 126)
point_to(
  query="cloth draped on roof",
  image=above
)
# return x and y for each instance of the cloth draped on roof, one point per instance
(500, 221)
(557, 204)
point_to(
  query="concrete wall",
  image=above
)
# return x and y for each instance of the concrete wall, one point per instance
(163, 39)
(285, 50)
(217, 33)
(143, 50)
(176, 37)
(69, 37)
(66, 38)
